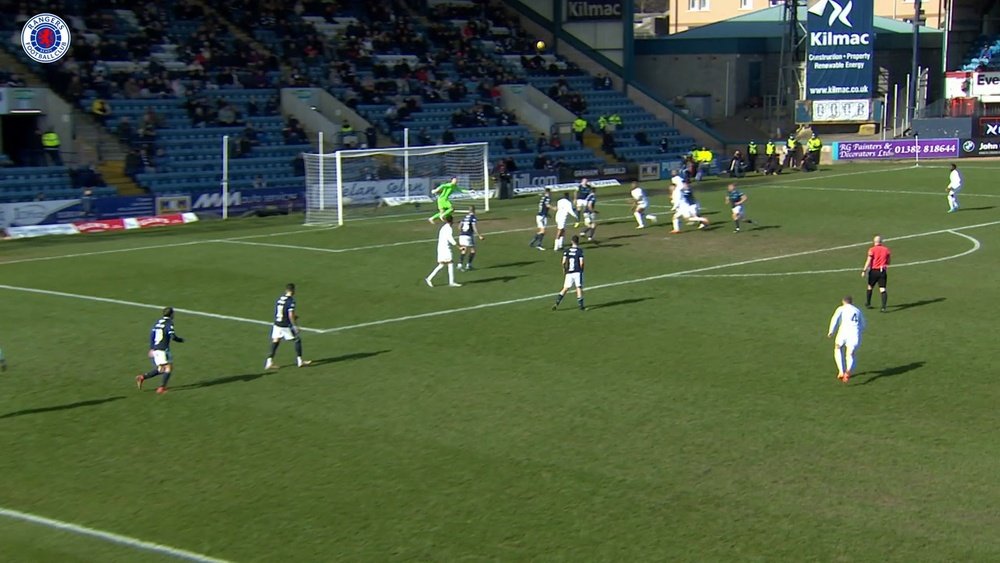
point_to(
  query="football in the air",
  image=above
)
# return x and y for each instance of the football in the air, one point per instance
(540, 45)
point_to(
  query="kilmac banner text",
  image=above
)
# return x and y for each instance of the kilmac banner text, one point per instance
(840, 61)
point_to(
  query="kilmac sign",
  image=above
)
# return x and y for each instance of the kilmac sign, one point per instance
(840, 61)
(593, 10)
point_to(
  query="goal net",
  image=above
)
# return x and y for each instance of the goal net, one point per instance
(392, 176)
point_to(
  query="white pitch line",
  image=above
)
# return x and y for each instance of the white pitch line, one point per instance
(143, 305)
(940, 194)
(645, 279)
(976, 245)
(109, 537)
(100, 252)
(383, 245)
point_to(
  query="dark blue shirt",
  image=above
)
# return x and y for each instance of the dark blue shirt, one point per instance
(468, 225)
(162, 334)
(543, 205)
(582, 191)
(573, 260)
(734, 197)
(591, 201)
(283, 308)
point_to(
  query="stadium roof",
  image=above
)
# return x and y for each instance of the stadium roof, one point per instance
(761, 31)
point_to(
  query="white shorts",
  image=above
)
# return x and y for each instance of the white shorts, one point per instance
(686, 211)
(162, 357)
(641, 205)
(852, 341)
(541, 221)
(955, 190)
(282, 333)
(738, 211)
(574, 280)
(581, 203)
(466, 240)
(589, 219)
(444, 256)
(561, 221)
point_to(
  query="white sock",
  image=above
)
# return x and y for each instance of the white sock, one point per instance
(638, 218)
(677, 223)
(435, 271)
(850, 359)
(451, 272)
(558, 244)
(839, 359)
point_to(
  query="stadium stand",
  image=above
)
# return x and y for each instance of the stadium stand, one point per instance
(983, 54)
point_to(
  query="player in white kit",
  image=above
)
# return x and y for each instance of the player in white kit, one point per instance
(676, 183)
(640, 205)
(446, 240)
(849, 323)
(954, 186)
(686, 208)
(564, 210)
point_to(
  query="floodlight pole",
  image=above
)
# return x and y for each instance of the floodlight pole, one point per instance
(911, 103)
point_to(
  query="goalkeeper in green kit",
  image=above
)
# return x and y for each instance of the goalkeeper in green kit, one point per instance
(443, 193)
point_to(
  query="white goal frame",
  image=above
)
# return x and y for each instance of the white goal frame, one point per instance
(406, 152)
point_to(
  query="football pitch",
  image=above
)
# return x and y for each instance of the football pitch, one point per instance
(692, 413)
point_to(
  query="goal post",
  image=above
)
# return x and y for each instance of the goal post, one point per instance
(340, 181)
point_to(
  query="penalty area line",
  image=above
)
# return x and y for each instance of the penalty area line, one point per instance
(144, 306)
(109, 537)
(657, 277)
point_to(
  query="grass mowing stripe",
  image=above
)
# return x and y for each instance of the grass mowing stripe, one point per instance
(646, 279)
(144, 306)
(941, 194)
(109, 537)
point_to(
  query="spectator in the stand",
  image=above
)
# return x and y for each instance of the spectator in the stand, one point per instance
(511, 164)
(133, 165)
(244, 146)
(522, 144)
(447, 138)
(737, 166)
(227, 116)
(615, 119)
(251, 134)
(259, 182)
(125, 131)
(51, 145)
(100, 109)
(298, 166)
(152, 119)
(542, 143)
(642, 138)
(507, 143)
(252, 108)
(579, 128)
(424, 138)
(664, 144)
(371, 137)
(555, 143)
(608, 142)
(540, 161)
(147, 137)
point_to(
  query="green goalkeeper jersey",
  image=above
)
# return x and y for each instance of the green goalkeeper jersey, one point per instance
(446, 190)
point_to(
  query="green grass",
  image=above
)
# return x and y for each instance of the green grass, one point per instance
(682, 418)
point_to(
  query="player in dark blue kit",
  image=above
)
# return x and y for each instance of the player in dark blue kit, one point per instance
(160, 337)
(468, 232)
(572, 263)
(542, 218)
(582, 191)
(285, 328)
(590, 215)
(737, 200)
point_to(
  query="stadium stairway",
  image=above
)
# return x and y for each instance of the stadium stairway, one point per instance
(113, 172)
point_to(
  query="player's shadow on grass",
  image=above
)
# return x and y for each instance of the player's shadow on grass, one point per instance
(513, 264)
(619, 302)
(347, 357)
(616, 237)
(66, 407)
(245, 378)
(764, 227)
(893, 371)
(921, 303)
(978, 208)
(503, 279)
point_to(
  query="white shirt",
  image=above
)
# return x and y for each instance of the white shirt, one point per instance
(564, 207)
(954, 181)
(638, 194)
(847, 320)
(677, 181)
(445, 238)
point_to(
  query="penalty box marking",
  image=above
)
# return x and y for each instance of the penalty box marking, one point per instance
(976, 245)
